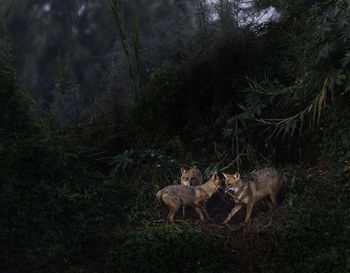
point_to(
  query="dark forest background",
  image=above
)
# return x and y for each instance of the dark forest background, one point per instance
(102, 102)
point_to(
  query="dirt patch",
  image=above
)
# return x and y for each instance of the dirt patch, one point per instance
(251, 242)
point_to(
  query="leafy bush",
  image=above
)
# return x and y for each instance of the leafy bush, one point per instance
(160, 101)
(46, 197)
(332, 139)
(169, 249)
(315, 239)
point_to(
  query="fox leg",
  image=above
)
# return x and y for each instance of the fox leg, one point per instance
(199, 212)
(274, 198)
(172, 212)
(250, 206)
(270, 203)
(204, 209)
(236, 208)
(173, 204)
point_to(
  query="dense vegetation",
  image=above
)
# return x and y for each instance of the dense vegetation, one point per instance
(217, 88)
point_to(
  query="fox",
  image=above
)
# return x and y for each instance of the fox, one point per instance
(191, 177)
(266, 182)
(174, 196)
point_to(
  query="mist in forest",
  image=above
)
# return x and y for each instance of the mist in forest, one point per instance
(78, 42)
(105, 104)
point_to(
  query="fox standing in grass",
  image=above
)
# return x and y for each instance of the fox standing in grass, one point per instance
(191, 177)
(267, 182)
(175, 196)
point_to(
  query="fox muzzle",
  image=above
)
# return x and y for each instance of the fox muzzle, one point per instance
(232, 189)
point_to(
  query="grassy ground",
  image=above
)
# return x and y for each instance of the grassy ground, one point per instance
(309, 232)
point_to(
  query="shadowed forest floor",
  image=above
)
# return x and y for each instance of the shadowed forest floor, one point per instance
(254, 241)
(97, 121)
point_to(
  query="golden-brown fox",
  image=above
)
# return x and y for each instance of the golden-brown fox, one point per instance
(174, 196)
(266, 182)
(191, 177)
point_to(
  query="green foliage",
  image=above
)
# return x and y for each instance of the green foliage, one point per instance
(121, 161)
(55, 204)
(140, 174)
(169, 249)
(332, 139)
(46, 198)
(14, 116)
(315, 239)
(312, 68)
(46, 203)
(157, 109)
(306, 76)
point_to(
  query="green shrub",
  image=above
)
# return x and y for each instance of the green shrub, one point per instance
(316, 237)
(331, 142)
(169, 249)
(46, 197)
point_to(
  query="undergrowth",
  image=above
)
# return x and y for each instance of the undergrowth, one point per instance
(91, 208)
(316, 236)
(169, 249)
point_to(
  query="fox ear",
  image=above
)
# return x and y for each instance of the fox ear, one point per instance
(182, 170)
(225, 175)
(215, 175)
(236, 176)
